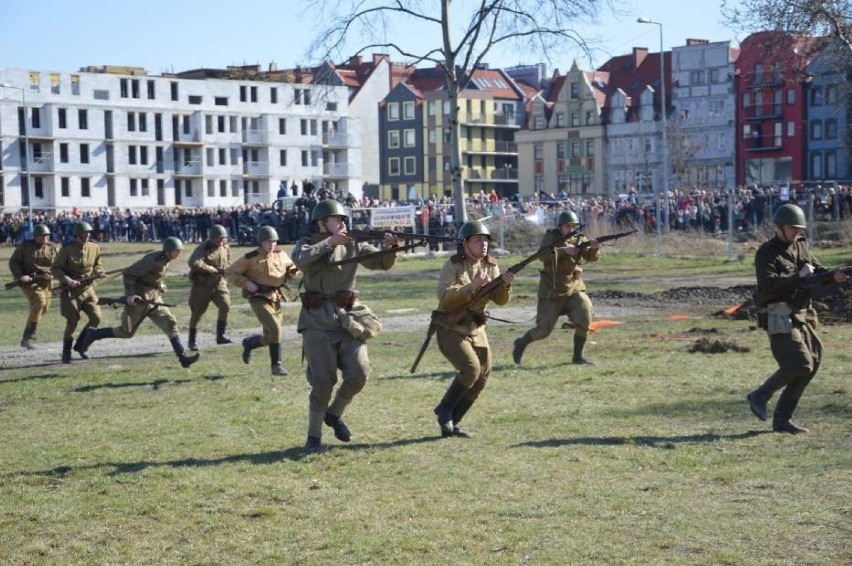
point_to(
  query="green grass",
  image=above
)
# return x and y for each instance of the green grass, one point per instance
(649, 457)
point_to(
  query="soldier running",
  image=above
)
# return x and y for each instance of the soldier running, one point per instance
(207, 266)
(30, 266)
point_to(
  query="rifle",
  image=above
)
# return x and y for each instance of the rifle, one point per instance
(85, 280)
(417, 240)
(429, 333)
(761, 297)
(116, 302)
(36, 276)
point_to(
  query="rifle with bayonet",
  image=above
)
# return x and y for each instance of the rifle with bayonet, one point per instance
(35, 276)
(810, 283)
(84, 280)
(117, 302)
(417, 241)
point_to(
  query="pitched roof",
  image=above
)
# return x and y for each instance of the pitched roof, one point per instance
(633, 72)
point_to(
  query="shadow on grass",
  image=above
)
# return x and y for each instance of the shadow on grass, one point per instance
(156, 384)
(440, 375)
(668, 442)
(262, 458)
(30, 377)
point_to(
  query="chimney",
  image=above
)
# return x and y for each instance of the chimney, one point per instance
(355, 61)
(273, 66)
(378, 57)
(639, 54)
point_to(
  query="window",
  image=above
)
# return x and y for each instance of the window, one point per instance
(575, 149)
(243, 94)
(791, 129)
(408, 110)
(538, 151)
(273, 95)
(223, 188)
(590, 148)
(746, 100)
(393, 166)
(35, 117)
(75, 85)
(303, 127)
(331, 106)
(144, 185)
(173, 87)
(696, 77)
(410, 166)
(85, 185)
(282, 126)
(446, 107)
(151, 90)
(253, 93)
(84, 153)
(791, 96)
(220, 124)
(122, 88)
(83, 119)
(65, 186)
(575, 119)
(143, 122)
(409, 138)
(211, 155)
(143, 155)
(307, 96)
(816, 165)
(816, 96)
(393, 138)
(714, 75)
(393, 111)
(590, 118)
(816, 130)
(831, 129)
(305, 158)
(538, 122)
(560, 120)
(133, 190)
(830, 95)
(63, 153)
(131, 155)
(220, 100)
(831, 164)
(195, 99)
(134, 88)
(131, 122)
(63, 118)
(430, 108)
(575, 90)
(297, 96)
(223, 156)
(211, 188)
(282, 158)
(208, 124)
(38, 187)
(432, 137)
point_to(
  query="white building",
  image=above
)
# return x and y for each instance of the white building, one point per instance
(118, 137)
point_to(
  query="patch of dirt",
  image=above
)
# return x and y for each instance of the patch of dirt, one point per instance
(706, 346)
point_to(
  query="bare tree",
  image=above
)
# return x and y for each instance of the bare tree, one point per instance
(531, 27)
(798, 17)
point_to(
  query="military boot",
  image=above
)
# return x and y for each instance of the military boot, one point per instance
(250, 344)
(193, 336)
(66, 350)
(757, 403)
(275, 359)
(341, 431)
(444, 410)
(518, 351)
(82, 344)
(578, 359)
(26, 338)
(88, 337)
(185, 360)
(314, 445)
(220, 333)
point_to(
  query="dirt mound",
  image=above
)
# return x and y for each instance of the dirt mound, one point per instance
(706, 346)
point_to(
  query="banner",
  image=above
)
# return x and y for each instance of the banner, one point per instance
(392, 217)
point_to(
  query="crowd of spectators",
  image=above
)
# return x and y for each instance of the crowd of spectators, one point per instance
(687, 210)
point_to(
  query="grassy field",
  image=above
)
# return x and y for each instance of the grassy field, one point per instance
(649, 457)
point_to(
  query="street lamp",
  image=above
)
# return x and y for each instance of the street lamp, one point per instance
(665, 151)
(25, 166)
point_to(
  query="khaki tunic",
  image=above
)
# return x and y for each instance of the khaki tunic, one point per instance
(32, 259)
(267, 270)
(326, 344)
(208, 287)
(464, 343)
(560, 289)
(144, 278)
(77, 260)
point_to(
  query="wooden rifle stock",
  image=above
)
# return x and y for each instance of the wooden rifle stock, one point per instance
(38, 276)
(122, 301)
(85, 280)
(761, 298)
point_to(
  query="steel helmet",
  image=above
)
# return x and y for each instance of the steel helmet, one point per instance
(567, 217)
(81, 227)
(266, 233)
(172, 244)
(326, 208)
(790, 214)
(473, 228)
(217, 231)
(41, 230)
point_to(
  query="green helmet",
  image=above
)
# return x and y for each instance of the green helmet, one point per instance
(81, 227)
(217, 231)
(790, 214)
(41, 230)
(473, 228)
(266, 233)
(567, 217)
(326, 208)
(172, 244)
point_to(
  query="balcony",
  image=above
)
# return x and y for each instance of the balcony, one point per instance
(256, 168)
(41, 164)
(187, 140)
(491, 146)
(335, 140)
(760, 80)
(762, 143)
(254, 137)
(336, 170)
(498, 120)
(763, 111)
(188, 168)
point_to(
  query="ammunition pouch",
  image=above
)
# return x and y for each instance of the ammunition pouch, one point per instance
(359, 321)
(778, 318)
(311, 300)
(474, 318)
(344, 299)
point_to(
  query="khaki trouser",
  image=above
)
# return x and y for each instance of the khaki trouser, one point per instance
(39, 301)
(326, 352)
(70, 307)
(271, 318)
(577, 307)
(200, 297)
(472, 362)
(133, 316)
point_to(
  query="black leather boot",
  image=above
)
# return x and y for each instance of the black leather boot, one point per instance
(27, 337)
(185, 360)
(579, 345)
(66, 350)
(275, 359)
(518, 351)
(341, 431)
(220, 333)
(88, 337)
(193, 336)
(444, 410)
(250, 344)
(81, 344)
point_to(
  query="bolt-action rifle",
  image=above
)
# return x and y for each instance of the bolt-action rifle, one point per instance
(36, 276)
(811, 282)
(84, 280)
(117, 302)
(413, 241)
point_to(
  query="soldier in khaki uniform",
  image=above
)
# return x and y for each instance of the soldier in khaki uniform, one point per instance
(30, 266)
(791, 320)
(464, 342)
(77, 266)
(207, 266)
(561, 290)
(144, 284)
(333, 322)
(261, 274)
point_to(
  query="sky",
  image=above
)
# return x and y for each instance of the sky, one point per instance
(178, 35)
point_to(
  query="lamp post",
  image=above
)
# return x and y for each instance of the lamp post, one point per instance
(665, 149)
(25, 166)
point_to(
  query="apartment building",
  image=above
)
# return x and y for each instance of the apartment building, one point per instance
(701, 133)
(118, 137)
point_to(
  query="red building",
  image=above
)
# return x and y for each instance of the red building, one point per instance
(771, 119)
